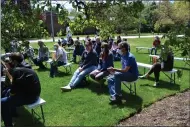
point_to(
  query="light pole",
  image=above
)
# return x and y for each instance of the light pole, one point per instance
(52, 27)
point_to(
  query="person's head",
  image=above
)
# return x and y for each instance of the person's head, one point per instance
(123, 47)
(27, 43)
(15, 59)
(97, 40)
(55, 46)
(157, 38)
(125, 39)
(77, 38)
(118, 37)
(41, 43)
(105, 48)
(88, 46)
(59, 42)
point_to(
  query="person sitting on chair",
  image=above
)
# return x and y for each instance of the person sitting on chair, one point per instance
(129, 72)
(25, 89)
(89, 64)
(59, 59)
(43, 55)
(156, 43)
(164, 65)
(28, 51)
(106, 61)
(79, 49)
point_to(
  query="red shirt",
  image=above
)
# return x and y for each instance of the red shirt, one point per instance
(156, 43)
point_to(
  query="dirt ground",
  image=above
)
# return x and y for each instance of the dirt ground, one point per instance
(171, 111)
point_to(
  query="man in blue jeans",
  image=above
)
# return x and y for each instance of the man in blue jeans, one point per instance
(89, 64)
(129, 72)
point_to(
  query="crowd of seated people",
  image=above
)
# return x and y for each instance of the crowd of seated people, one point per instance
(97, 61)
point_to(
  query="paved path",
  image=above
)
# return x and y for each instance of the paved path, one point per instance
(82, 38)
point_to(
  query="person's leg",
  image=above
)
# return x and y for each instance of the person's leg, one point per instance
(157, 73)
(7, 104)
(82, 75)
(40, 62)
(53, 67)
(155, 51)
(152, 49)
(127, 76)
(101, 75)
(150, 71)
(74, 56)
(94, 73)
(75, 75)
(111, 85)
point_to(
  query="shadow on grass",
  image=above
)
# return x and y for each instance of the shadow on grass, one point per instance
(129, 100)
(25, 119)
(163, 84)
(183, 68)
(62, 74)
(42, 70)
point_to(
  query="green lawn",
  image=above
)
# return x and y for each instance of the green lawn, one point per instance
(89, 106)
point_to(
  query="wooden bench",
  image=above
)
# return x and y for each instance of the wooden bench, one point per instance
(40, 102)
(148, 66)
(140, 48)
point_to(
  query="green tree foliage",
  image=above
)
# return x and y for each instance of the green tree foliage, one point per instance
(20, 21)
(108, 17)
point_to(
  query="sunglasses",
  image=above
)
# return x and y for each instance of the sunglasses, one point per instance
(120, 48)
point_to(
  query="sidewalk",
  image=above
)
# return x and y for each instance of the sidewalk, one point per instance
(82, 38)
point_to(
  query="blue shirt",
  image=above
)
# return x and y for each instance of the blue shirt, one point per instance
(129, 60)
(108, 62)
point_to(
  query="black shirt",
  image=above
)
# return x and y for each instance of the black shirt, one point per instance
(25, 83)
(169, 63)
(89, 59)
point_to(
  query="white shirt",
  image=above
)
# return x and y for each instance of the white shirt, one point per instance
(61, 51)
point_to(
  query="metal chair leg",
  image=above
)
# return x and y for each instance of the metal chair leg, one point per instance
(42, 113)
(135, 88)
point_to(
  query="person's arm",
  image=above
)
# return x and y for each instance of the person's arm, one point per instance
(127, 66)
(122, 70)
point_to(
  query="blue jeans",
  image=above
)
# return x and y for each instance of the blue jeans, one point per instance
(78, 76)
(53, 68)
(114, 81)
(9, 103)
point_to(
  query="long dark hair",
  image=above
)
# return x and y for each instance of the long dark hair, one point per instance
(106, 51)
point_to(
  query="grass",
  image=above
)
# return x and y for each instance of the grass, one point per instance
(89, 106)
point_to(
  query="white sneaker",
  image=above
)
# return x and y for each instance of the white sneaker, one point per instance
(156, 83)
(66, 88)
